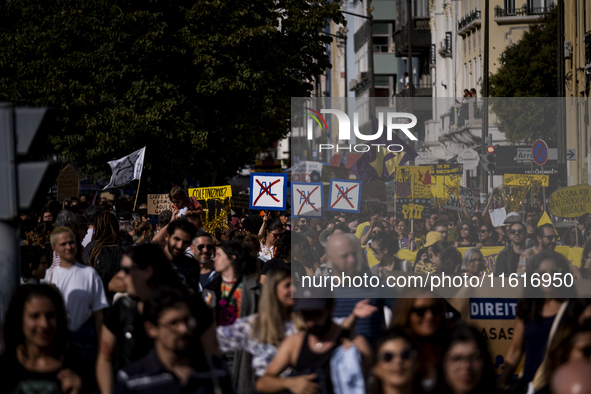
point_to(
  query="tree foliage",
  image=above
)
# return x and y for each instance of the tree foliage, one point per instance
(528, 69)
(204, 84)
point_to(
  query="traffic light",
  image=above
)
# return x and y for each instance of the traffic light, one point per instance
(21, 136)
(489, 159)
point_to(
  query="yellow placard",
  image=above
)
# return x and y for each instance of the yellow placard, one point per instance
(525, 179)
(571, 202)
(211, 193)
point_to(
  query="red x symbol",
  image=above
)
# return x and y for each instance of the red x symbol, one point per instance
(342, 194)
(307, 199)
(265, 190)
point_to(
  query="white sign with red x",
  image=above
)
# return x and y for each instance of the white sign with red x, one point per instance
(268, 191)
(344, 195)
(307, 199)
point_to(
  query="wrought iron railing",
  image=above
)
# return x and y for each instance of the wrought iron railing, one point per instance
(525, 10)
(466, 20)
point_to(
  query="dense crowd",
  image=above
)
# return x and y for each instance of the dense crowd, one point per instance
(116, 300)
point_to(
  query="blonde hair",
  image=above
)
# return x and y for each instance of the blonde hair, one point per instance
(60, 230)
(268, 326)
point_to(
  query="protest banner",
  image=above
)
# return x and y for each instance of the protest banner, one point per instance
(68, 184)
(471, 196)
(490, 253)
(524, 179)
(158, 203)
(268, 191)
(240, 201)
(413, 191)
(211, 193)
(307, 200)
(571, 202)
(446, 169)
(344, 195)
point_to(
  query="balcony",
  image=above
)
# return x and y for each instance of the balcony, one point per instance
(525, 14)
(421, 38)
(469, 22)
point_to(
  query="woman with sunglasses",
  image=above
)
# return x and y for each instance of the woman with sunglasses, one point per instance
(535, 316)
(144, 269)
(396, 367)
(467, 366)
(423, 319)
(384, 248)
(468, 236)
(488, 235)
(269, 235)
(472, 262)
(36, 357)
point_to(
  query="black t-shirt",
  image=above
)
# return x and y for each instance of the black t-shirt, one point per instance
(190, 269)
(127, 325)
(515, 262)
(16, 379)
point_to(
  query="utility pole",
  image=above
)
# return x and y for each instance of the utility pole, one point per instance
(485, 72)
(561, 124)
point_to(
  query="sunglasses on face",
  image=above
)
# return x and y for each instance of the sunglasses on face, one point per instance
(586, 351)
(513, 232)
(127, 270)
(550, 237)
(483, 231)
(205, 246)
(436, 310)
(465, 228)
(405, 355)
(311, 314)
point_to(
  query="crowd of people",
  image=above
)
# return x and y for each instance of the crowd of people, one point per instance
(115, 300)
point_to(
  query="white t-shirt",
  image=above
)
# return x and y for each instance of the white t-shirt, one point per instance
(88, 237)
(82, 289)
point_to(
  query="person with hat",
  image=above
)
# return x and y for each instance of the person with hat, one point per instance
(309, 353)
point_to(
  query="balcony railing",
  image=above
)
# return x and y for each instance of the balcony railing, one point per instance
(466, 20)
(588, 47)
(525, 10)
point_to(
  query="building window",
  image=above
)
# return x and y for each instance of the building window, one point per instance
(421, 8)
(382, 37)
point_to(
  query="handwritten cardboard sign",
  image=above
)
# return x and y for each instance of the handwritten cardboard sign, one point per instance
(158, 203)
(68, 184)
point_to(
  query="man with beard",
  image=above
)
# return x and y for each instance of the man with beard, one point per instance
(309, 353)
(176, 364)
(508, 258)
(546, 240)
(178, 237)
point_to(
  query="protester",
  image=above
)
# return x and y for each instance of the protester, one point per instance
(202, 249)
(309, 353)
(405, 237)
(424, 321)
(106, 249)
(467, 364)
(178, 237)
(468, 236)
(546, 238)
(36, 358)
(586, 261)
(183, 204)
(268, 235)
(82, 290)
(435, 252)
(33, 264)
(384, 248)
(396, 366)
(177, 363)
(488, 236)
(572, 237)
(91, 213)
(472, 262)
(508, 259)
(532, 216)
(534, 318)
(287, 255)
(67, 219)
